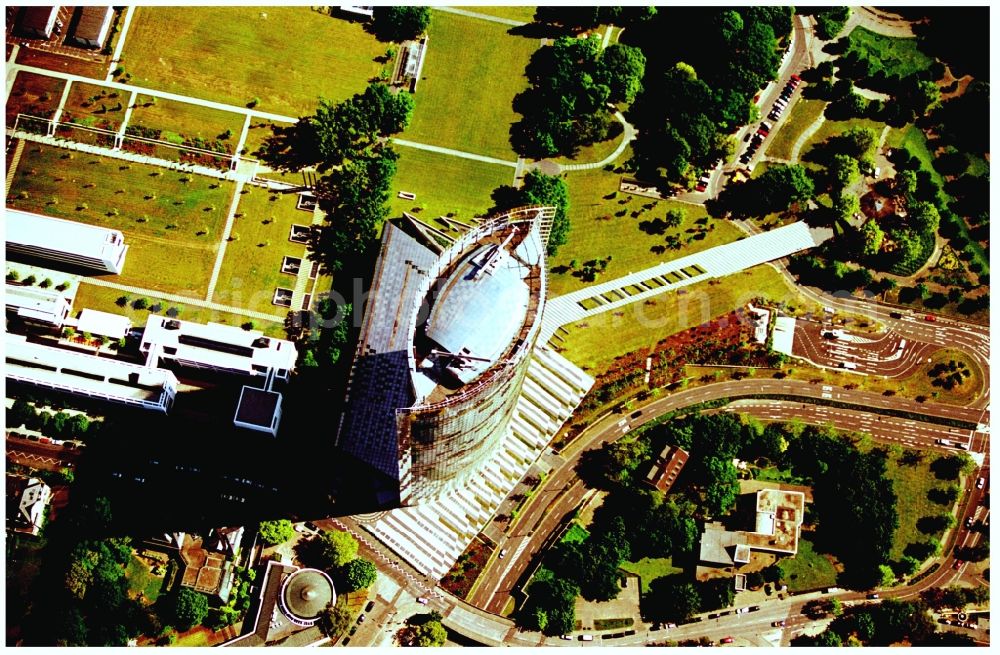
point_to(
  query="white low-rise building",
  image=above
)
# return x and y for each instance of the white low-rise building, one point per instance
(37, 305)
(88, 375)
(67, 242)
(216, 346)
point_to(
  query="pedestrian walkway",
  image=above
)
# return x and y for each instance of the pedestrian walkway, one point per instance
(230, 217)
(454, 153)
(708, 264)
(170, 297)
(474, 14)
(804, 137)
(116, 57)
(628, 135)
(15, 158)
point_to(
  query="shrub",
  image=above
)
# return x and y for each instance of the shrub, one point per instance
(249, 325)
(13, 276)
(122, 301)
(30, 280)
(46, 283)
(155, 307)
(140, 303)
(62, 286)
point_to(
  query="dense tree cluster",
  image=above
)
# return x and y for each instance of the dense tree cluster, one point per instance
(572, 82)
(400, 23)
(347, 142)
(829, 20)
(582, 18)
(539, 189)
(883, 624)
(550, 607)
(777, 189)
(710, 76)
(336, 551)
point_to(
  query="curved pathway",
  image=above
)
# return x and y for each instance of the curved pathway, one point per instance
(627, 136)
(804, 137)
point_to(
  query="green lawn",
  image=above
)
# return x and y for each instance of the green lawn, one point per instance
(836, 128)
(804, 114)
(251, 268)
(607, 336)
(808, 569)
(596, 232)
(525, 14)
(33, 94)
(90, 104)
(472, 71)
(104, 299)
(576, 534)
(142, 581)
(172, 227)
(911, 484)
(650, 568)
(444, 185)
(185, 119)
(258, 132)
(286, 56)
(898, 56)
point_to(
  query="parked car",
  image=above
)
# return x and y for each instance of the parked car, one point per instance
(586, 637)
(743, 610)
(873, 596)
(370, 606)
(895, 315)
(980, 483)
(503, 552)
(969, 522)
(422, 600)
(778, 624)
(726, 640)
(930, 317)
(958, 564)
(361, 618)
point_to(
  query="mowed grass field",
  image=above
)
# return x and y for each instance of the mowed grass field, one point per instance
(650, 568)
(444, 185)
(804, 114)
(836, 128)
(184, 119)
(472, 71)
(251, 268)
(607, 336)
(808, 569)
(105, 300)
(286, 56)
(172, 227)
(597, 232)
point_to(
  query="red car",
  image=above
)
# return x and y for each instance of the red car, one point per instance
(930, 317)
(726, 640)
(795, 77)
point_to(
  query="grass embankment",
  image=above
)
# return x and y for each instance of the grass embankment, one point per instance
(804, 114)
(808, 569)
(650, 568)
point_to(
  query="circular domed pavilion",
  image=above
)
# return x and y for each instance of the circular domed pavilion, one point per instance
(305, 594)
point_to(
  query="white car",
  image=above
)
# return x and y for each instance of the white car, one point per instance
(422, 600)
(503, 552)
(980, 483)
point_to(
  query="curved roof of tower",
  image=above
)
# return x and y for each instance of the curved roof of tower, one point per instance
(481, 307)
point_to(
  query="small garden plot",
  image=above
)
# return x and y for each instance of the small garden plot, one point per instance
(35, 95)
(463, 574)
(95, 106)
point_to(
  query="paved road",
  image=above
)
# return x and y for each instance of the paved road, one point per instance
(560, 492)
(39, 455)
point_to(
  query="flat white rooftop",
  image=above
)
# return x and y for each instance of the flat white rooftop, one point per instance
(55, 234)
(81, 372)
(218, 346)
(115, 326)
(38, 304)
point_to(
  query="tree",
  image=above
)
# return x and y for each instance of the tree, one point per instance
(190, 608)
(359, 574)
(276, 532)
(716, 594)
(672, 599)
(429, 634)
(722, 485)
(335, 620)
(621, 68)
(540, 189)
(872, 237)
(396, 23)
(337, 547)
(888, 576)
